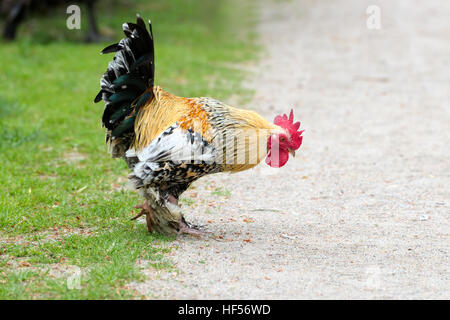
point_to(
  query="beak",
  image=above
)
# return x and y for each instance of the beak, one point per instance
(292, 152)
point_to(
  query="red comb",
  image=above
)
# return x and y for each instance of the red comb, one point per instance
(288, 124)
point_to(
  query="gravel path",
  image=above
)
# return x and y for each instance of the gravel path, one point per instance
(363, 211)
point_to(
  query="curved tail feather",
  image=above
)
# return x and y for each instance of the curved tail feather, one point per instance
(122, 87)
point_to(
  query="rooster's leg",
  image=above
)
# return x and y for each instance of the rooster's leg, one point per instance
(184, 226)
(173, 200)
(148, 211)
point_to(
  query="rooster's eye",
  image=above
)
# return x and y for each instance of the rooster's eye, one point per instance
(282, 139)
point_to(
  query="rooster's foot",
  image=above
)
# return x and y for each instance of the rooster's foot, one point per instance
(189, 228)
(148, 211)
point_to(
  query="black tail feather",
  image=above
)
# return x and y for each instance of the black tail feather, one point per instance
(112, 48)
(129, 74)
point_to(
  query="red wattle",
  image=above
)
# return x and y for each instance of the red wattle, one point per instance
(283, 157)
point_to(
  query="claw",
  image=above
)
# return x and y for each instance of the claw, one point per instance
(188, 228)
(142, 212)
(145, 209)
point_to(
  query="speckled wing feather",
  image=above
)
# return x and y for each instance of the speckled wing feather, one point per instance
(172, 161)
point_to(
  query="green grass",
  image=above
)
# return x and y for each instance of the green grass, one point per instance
(62, 202)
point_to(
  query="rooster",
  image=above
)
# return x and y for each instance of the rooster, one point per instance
(169, 142)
